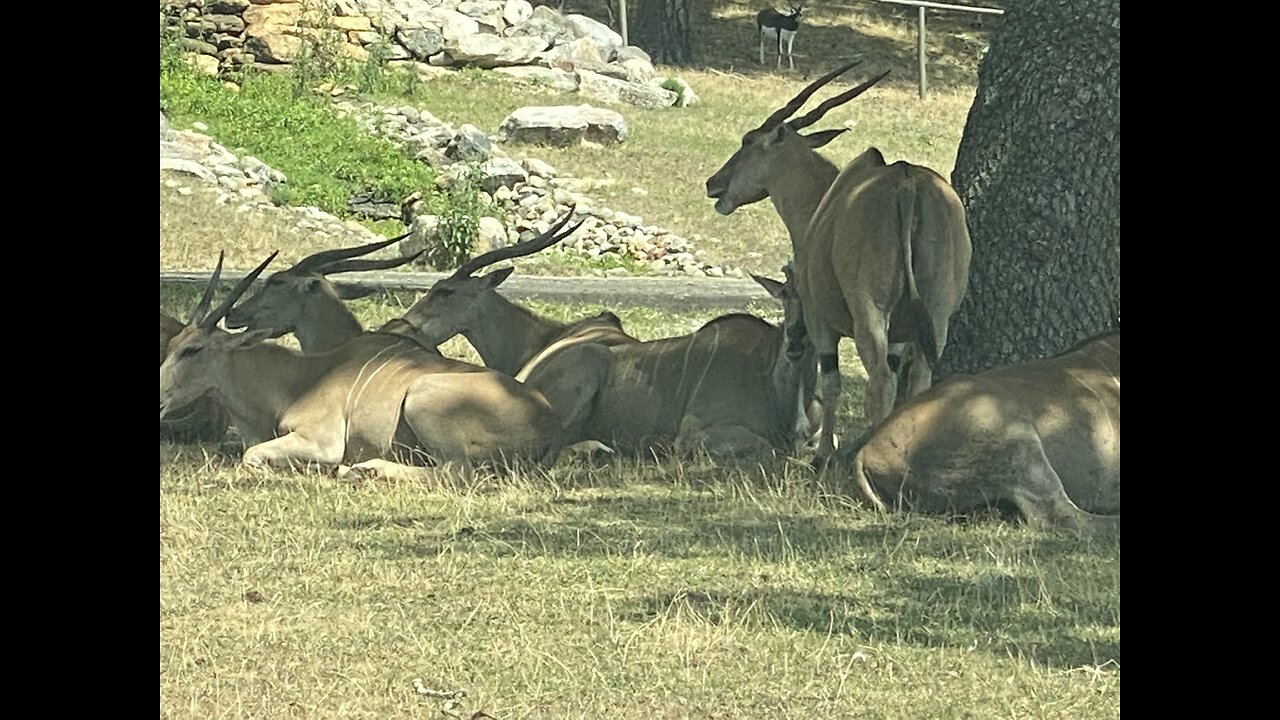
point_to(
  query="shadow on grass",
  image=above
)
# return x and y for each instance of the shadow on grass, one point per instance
(914, 580)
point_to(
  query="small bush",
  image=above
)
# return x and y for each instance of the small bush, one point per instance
(459, 209)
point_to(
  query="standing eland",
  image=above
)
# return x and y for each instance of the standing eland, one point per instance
(881, 251)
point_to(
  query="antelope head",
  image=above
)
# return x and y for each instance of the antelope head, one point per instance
(457, 303)
(795, 333)
(290, 295)
(198, 352)
(745, 178)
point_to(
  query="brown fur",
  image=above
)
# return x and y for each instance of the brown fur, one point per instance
(1043, 435)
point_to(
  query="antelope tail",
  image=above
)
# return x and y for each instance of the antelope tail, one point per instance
(908, 209)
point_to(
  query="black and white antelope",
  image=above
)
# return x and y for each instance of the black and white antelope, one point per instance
(779, 29)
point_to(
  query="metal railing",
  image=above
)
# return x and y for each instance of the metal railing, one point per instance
(920, 28)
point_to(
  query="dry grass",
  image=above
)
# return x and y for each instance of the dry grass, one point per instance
(632, 590)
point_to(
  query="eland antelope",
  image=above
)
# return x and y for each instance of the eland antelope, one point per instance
(201, 421)
(881, 252)
(507, 336)
(1043, 435)
(302, 301)
(738, 386)
(779, 29)
(379, 396)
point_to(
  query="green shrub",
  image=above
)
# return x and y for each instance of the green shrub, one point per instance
(326, 158)
(459, 209)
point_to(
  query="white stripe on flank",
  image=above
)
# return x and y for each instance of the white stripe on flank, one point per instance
(357, 387)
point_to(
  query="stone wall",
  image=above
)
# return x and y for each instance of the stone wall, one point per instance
(540, 45)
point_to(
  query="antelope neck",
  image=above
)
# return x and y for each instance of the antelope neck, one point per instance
(510, 335)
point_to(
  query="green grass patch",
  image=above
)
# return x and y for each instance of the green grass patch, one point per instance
(326, 158)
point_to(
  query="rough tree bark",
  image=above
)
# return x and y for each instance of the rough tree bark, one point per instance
(662, 29)
(1038, 169)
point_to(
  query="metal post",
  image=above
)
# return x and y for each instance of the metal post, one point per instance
(622, 11)
(924, 82)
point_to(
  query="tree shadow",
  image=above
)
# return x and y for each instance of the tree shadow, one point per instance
(913, 579)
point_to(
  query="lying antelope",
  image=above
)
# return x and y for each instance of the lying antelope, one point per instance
(377, 396)
(778, 28)
(735, 387)
(881, 251)
(201, 421)
(1043, 435)
(506, 336)
(302, 301)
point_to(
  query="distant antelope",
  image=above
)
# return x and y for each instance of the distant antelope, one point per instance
(779, 29)
(379, 396)
(881, 251)
(302, 301)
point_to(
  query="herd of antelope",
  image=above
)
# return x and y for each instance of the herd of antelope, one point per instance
(880, 254)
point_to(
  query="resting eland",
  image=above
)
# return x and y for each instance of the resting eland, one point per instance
(738, 387)
(506, 335)
(1043, 435)
(302, 301)
(377, 396)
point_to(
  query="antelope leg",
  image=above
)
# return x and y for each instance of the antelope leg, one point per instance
(293, 451)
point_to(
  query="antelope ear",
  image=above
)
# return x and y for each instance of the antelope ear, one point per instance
(353, 292)
(773, 287)
(822, 137)
(495, 278)
(778, 134)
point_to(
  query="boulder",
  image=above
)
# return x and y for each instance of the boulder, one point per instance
(453, 24)
(564, 125)
(516, 11)
(487, 13)
(204, 63)
(501, 172)
(490, 51)
(225, 23)
(274, 47)
(575, 51)
(421, 42)
(469, 143)
(608, 89)
(554, 78)
(606, 39)
(546, 24)
(604, 126)
(228, 7)
(279, 14)
(492, 234)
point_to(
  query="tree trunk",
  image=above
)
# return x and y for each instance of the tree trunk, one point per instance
(662, 30)
(1038, 170)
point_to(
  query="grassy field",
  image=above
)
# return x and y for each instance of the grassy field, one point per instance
(631, 590)
(623, 589)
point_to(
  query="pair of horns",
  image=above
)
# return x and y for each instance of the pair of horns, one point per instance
(816, 114)
(528, 247)
(332, 262)
(209, 320)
